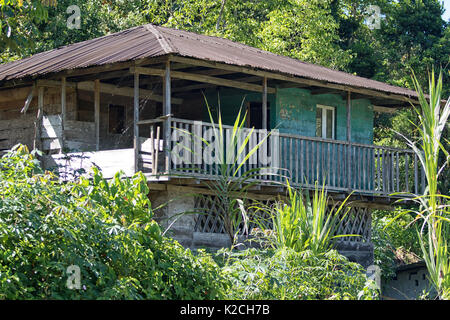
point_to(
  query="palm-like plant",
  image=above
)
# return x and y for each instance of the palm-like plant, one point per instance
(305, 223)
(433, 211)
(231, 181)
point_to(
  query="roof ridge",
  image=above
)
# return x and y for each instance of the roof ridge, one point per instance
(163, 41)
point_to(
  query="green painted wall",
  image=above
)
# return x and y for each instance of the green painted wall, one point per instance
(296, 114)
(293, 110)
(362, 121)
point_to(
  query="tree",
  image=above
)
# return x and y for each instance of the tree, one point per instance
(18, 21)
(305, 30)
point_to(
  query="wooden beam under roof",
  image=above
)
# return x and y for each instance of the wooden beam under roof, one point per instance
(109, 89)
(310, 82)
(209, 85)
(202, 78)
(125, 91)
(210, 72)
(318, 91)
(384, 109)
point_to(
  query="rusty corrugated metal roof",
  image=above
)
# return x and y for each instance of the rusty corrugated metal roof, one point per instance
(152, 41)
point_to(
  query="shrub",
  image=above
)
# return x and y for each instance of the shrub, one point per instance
(104, 227)
(304, 222)
(287, 274)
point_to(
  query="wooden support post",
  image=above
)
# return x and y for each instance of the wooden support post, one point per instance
(63, 111)
(38, 125)
(167, 113)
(29, 99)
(264, 104)
(136, 142)
(97, 113)
(349, 138)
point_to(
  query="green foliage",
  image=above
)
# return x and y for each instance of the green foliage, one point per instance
(307, 31)
(286, 274)
(393, 237)
(304, 223)
(232, 181)
(433, 208)
(104, 227)
(19, 19)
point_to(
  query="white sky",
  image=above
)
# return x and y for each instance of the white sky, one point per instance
(446, 15)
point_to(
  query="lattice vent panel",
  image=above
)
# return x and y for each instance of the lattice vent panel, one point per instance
(211, 212)
(357, 221)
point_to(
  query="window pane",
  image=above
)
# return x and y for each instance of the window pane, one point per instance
(329, 124)
(319, 122)
(116, 119)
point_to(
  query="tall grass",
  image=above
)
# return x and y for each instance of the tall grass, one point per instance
(433, 207)
(306, 223)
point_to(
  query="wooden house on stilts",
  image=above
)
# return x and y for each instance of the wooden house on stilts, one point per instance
(125, 101)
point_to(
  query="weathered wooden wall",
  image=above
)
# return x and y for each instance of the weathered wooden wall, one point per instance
(17, 127)
(79, 133)
(108, 141)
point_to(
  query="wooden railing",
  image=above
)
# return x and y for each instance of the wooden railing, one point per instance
(341, 165)
(350, 166)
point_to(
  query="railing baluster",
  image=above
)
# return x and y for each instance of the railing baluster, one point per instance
(189, 146)
(416, 176)
(407, 172)
(307, 163)
(364, 168)
(329, 164)
(323, 176)
(296, 160)
(383, 170)
(341, 166)
(398, 172)
(354, 164)
(291, 160)
(392, 171)
(301, 177)
(157, 145)
(152, 148)
(319, 162)
(378, 151)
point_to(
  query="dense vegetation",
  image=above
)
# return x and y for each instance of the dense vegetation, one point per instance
(287, 274)
(47, 222)
(106, 228)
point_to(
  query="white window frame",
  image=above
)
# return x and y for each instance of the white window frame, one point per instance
(324, 121)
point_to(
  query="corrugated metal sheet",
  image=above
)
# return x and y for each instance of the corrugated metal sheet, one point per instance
(151, 41)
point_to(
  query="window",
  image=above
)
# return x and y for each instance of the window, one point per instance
(116, 119)
(254, 115)
(325, 122)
